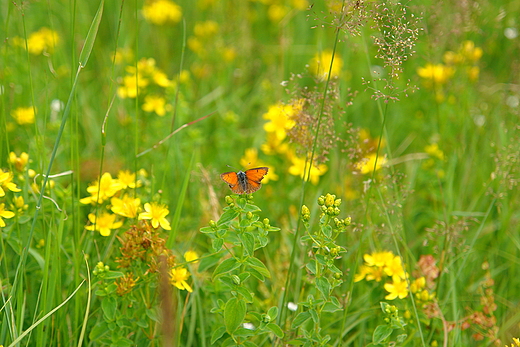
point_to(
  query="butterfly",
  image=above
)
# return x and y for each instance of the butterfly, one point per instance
(245, 182)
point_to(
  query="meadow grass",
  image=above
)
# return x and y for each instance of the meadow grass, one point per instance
(389, 215)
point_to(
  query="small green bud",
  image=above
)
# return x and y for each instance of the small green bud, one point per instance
(229, 200)
(337, 202)
(266, 222)
(249, 215)
(321, 200)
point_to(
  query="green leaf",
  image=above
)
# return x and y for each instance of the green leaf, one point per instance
(91, 36)
(209, 261)
(217, 334)
(228, 216)
(248, 296)
(311, 266)
(109, 307)
(327, 230)
(381, 333)
(323, 286)
(98, 331)
(110, 275)
(256, 274)
(248, 242)
(226, 266)
(258, 266)
(301, 318)
(243, 332)
(273, 313)
(314, 315)
(217, 244)
(234, 314)
(207, 230)
(275, 329)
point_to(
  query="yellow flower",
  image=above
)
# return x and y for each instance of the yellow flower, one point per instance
(132, 86)
(250, 160)
(434, 151)
(23, 115)
(157, 104)
(395, 269)
(396, 290)
(191, 256)
(156, 213)
(43, 40)
(277, 12)
(4, 214)
(280, 118)
(298, 169)
(379, 259)
(126, 207)
(274, 145)
(19, 162)
(102, 189)
(20, 204)
(367, 165)
(418, 284)
(439, 73)
(161, 79)
(162, 12)
(127, 179)
(301, 5)
(228, 54)
(6, 183)
(105, 223)
(178, 277)
(206, 29)
(320, 65)
(470, 52)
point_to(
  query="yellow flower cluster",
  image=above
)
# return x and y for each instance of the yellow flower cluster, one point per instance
(161, 12)
(122, 204)
(280, 120)
(39, 42)
(321, 64)
(435, 76)
(149, 81)
(385, 264)
(23, 115)
(7, 185)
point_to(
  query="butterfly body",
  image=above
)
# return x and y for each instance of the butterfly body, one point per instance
(245, 182)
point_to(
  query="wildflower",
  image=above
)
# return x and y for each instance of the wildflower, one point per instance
(131, 86)
(125, 284)
(126, 207)
(178, 277)
(470, 52)
(298, 169)
(19, 162)
(418, 284)
(4, 214)
(157, 104)
(104, 223)
(162, 12)
(280, 119)
(228, 54)
(156, 213)
(6, 183)
(23, 115)
(207, 29)
(277, 12)
(43, 40)
(395, 269)
(397, 289)
(274, 145)
(320, 65)
(123, 55)
(127, 179)
(161, 79)
(20, 204)
(102, 189)
(379, 259)
(366, 165)
(191, 256)
(434, 151)
(438, 74)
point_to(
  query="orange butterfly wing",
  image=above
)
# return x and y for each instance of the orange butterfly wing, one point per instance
(245, 182)
(254, 177)
(231, 178)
